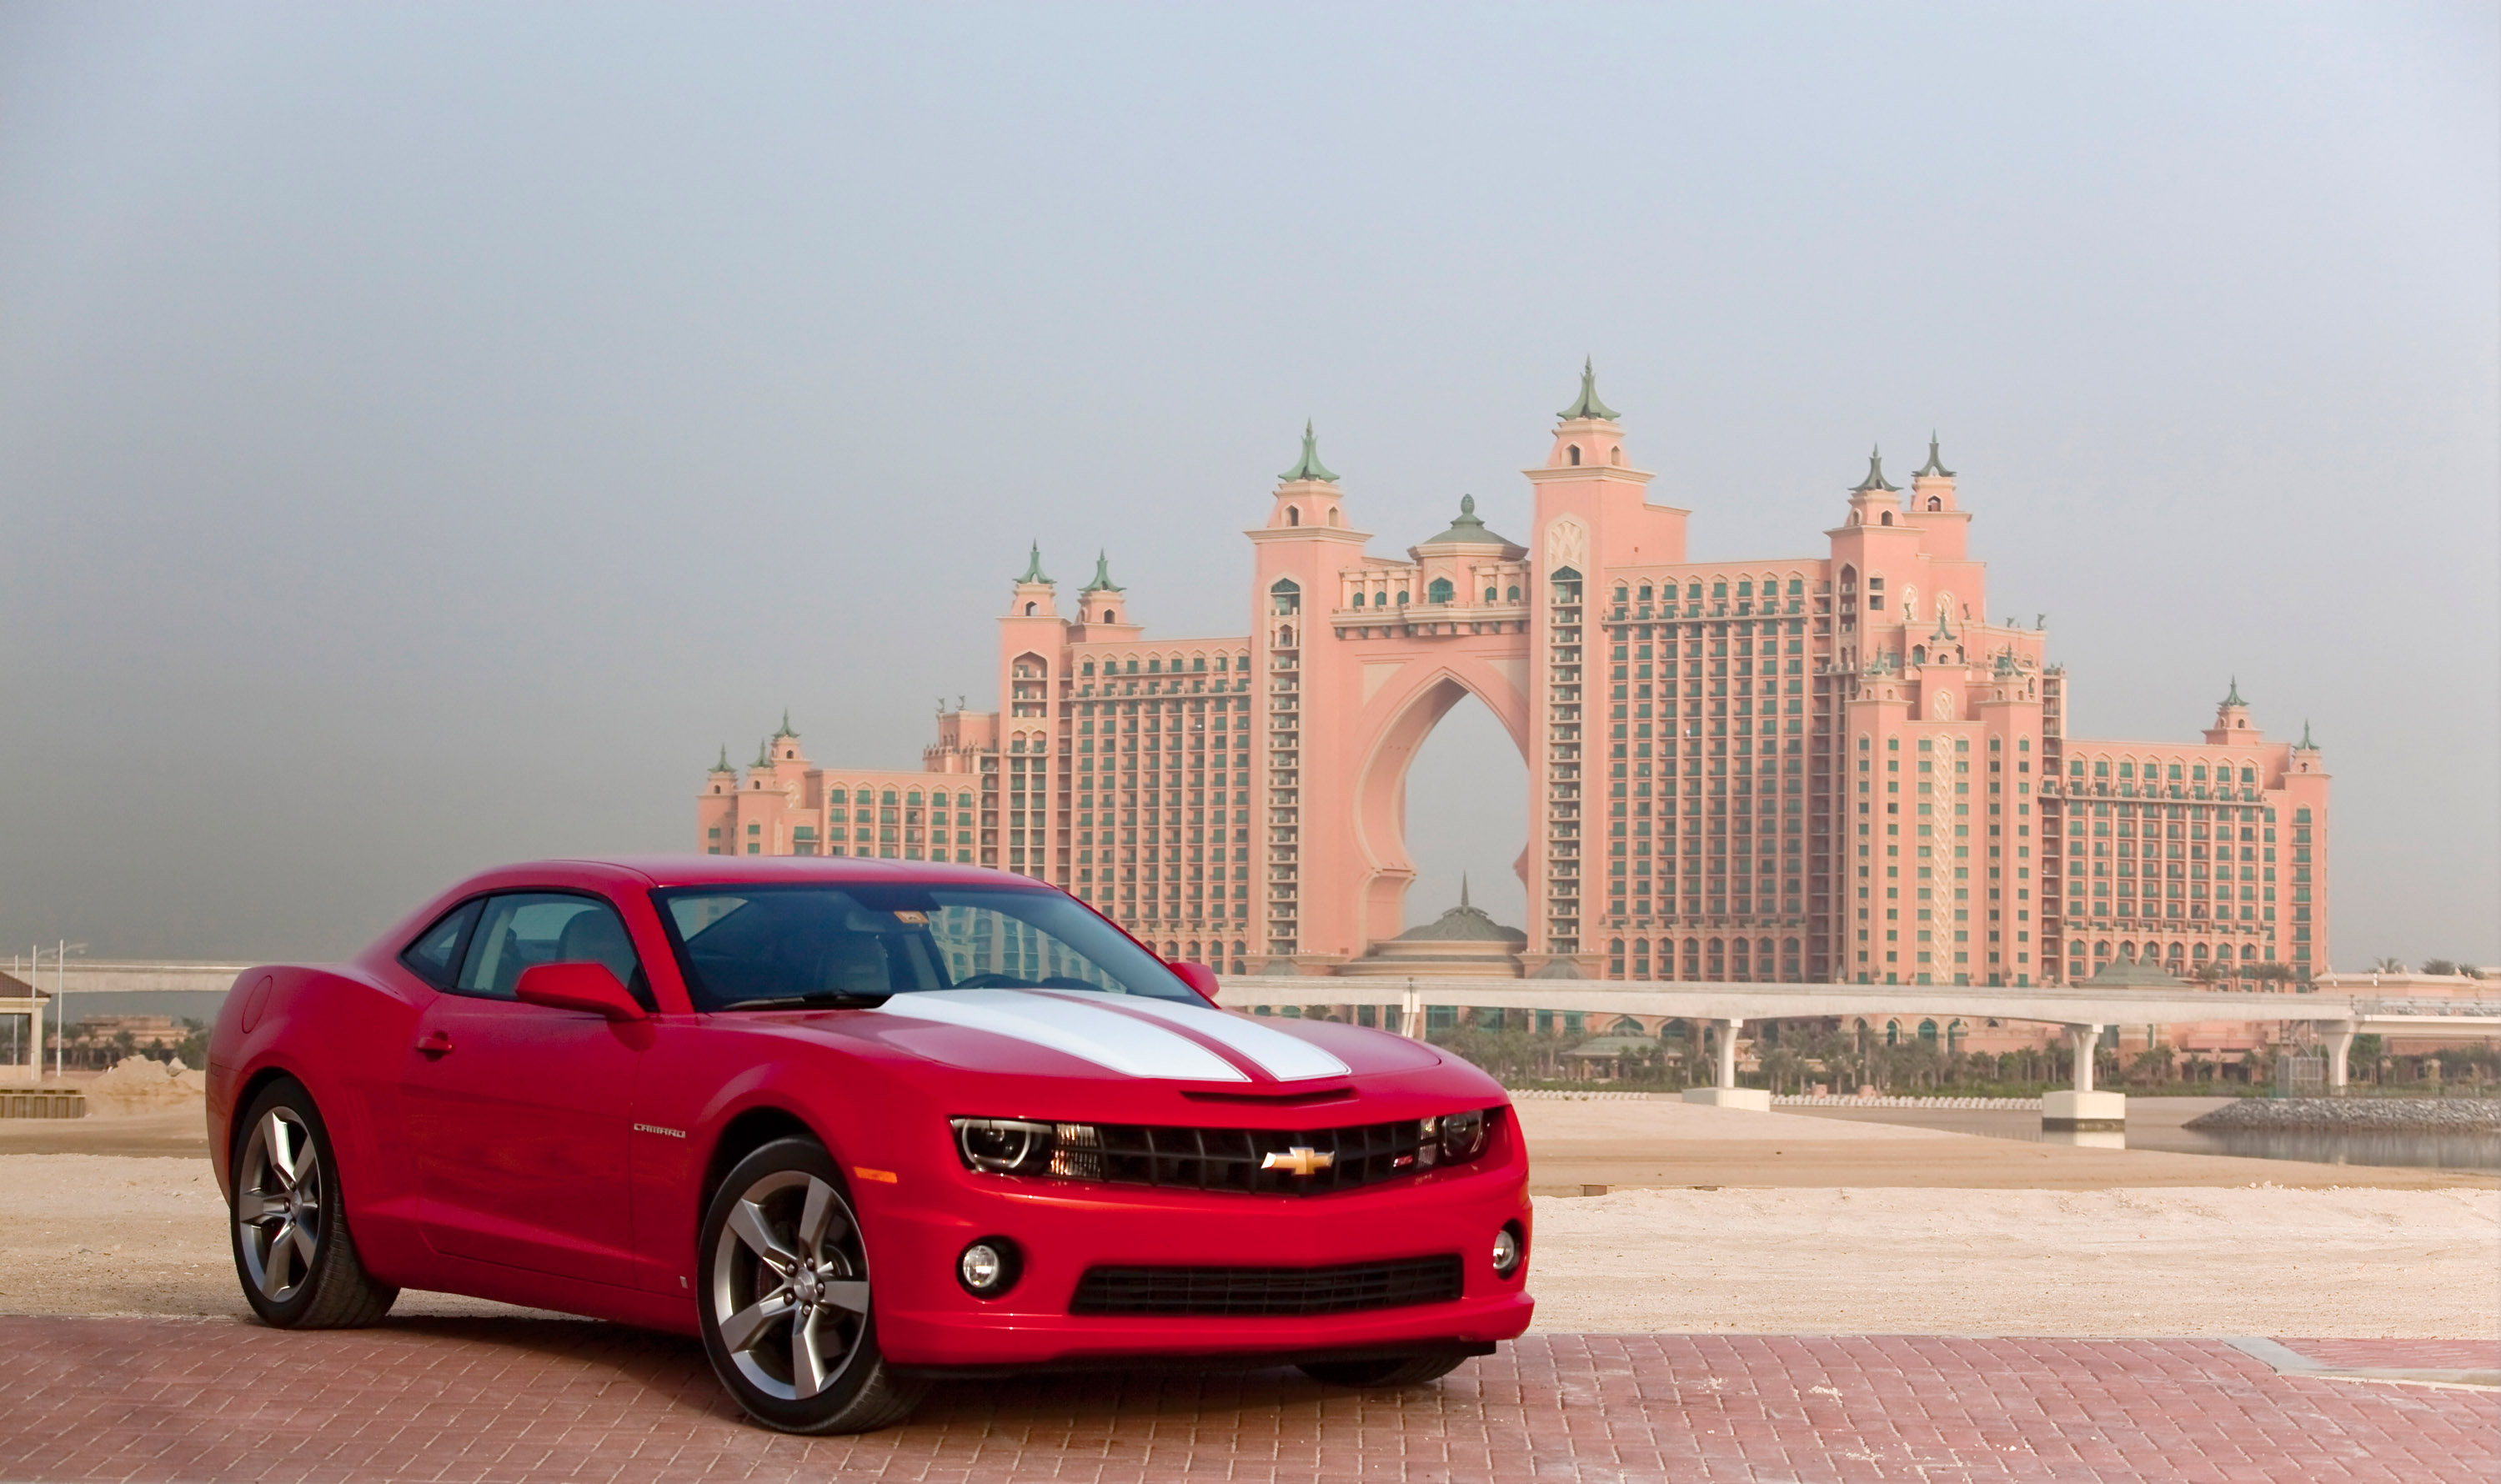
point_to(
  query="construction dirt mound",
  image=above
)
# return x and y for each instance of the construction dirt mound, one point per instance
(138, 1085)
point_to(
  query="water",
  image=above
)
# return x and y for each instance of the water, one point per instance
(2154, 1122)
(2439, 1151)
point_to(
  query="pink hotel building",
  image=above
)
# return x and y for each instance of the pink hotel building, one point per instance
(1801, 769)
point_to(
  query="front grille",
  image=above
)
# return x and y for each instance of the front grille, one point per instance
(1229, 1158)
(1253, 1290)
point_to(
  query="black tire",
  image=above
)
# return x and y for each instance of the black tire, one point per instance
(288, 1220)
(765, 1281)
(1391, 1371)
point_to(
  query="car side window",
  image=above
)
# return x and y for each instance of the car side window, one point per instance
(520, 930)
(435, 956)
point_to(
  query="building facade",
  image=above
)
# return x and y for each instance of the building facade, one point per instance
(1801, 769)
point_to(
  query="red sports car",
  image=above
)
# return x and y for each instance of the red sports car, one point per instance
(857, 1124)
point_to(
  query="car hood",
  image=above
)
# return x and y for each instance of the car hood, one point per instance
(1045, 1032)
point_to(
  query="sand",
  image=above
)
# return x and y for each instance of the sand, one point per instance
(2265, 1260)
(1818, 1225)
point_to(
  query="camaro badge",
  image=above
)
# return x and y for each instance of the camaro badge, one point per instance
(1301, 1159)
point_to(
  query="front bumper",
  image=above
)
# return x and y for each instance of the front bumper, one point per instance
(1062, 1228)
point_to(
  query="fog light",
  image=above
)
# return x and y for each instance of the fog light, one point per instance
(1506, 1251)
(988, 1268)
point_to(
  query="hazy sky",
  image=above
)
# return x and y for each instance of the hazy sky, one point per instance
(426, 433)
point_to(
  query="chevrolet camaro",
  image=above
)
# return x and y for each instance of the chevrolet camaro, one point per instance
(857, 1125)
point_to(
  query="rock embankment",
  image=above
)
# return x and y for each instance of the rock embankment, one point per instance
(2361, 1115)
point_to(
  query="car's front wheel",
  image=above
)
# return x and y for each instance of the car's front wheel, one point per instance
(292, 1249)
(1390, 1370)
(787, 1308)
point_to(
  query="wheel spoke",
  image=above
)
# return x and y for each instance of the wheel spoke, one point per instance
(807, 1366)
(272, 1209)
(305, 1241)
(817, 1219)
(739, 1331)
(747, 1219)
(276, 1261)
(277, 1144)
(849, 1296)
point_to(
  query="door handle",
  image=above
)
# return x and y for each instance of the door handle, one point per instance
(434, 1043)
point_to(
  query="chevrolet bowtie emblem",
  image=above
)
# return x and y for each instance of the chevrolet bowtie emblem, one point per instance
(1301, 1159)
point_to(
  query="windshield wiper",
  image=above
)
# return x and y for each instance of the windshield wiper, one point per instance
(824, 1002)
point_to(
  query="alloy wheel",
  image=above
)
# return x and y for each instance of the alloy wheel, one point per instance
(789, 1285)
(278, 1205)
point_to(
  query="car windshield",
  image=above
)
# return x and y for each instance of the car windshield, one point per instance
(767, 946)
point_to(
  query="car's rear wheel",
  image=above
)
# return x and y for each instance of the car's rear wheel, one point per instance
(1390, 1371)
(787, 1308)
(292, 1249)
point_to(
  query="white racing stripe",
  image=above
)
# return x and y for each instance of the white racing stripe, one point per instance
(1104, 1037)
(1286, 1058)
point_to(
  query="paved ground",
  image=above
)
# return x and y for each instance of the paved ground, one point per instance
(457, 1400)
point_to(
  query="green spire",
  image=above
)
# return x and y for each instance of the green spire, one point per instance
(722, 766)
(1309, 466)
(1102, 582)
(1033, 572)
(1875, 479)
(1935, 467)
(764, 753)
(1942, 635)
(2305, 744)
(786, 730)
(2234, 698)
(1588, 405)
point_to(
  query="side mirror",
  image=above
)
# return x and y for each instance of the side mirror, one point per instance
(1198, 976)
(576, 986)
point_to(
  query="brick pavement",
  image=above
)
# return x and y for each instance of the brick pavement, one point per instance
(485, 1400)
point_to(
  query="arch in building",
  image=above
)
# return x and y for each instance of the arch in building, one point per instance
(1404, 707)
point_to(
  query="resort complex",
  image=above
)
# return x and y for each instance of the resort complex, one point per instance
(1806, 769)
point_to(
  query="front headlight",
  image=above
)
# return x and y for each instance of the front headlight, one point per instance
(1016, 1146)
(1451, 1139)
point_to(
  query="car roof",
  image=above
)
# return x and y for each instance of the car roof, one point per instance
(747, 871)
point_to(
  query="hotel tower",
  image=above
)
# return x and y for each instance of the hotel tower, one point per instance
(1795, 769)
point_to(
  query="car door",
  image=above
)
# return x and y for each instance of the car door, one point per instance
(518, 1113)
